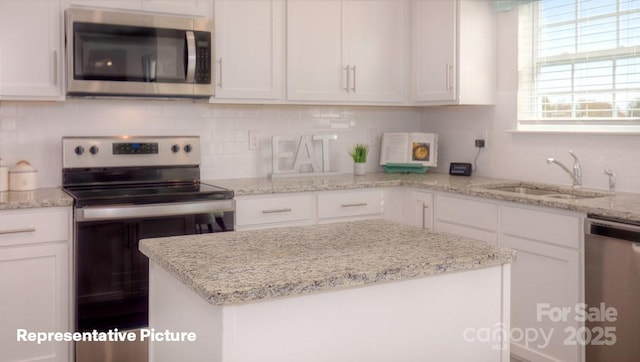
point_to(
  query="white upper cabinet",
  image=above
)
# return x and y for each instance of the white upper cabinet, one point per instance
(249, 49)
(179, 7)
(109, 4)
(201, 8)
(31, 55)
(454, 49)
(346, 50)
(314, 51)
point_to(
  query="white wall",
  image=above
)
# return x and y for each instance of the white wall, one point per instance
(523, 156)
(33, 130)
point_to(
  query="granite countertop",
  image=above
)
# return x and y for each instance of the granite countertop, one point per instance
(45, 197)
(244, 266)
(623, 206)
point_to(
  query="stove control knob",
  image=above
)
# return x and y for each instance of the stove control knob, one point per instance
(94, 150)
(175, 148)
(188, 148)
(79, 150)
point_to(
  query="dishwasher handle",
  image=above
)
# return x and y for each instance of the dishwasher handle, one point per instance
(612, 229)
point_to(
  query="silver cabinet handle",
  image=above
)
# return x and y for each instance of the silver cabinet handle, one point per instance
(449, 69)
(55, 67)
(220, 73)
(346, 87)
(17, 231)
(191, 56)
(275, 211)
(354, 79)
(356, 204)
(424, 209)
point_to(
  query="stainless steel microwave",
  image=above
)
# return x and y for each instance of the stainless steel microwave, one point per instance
(138, 54)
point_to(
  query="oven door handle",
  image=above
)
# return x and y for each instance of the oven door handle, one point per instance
(156, 210)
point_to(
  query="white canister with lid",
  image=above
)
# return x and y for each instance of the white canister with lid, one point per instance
(22, 177)
(4, 177)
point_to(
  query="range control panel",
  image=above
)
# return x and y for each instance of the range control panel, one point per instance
(127, 151)
(135, 148)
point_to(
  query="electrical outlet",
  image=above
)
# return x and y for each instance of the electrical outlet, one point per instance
(254, 140)
(480, 143)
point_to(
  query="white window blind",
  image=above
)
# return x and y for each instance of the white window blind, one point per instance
(579, 65)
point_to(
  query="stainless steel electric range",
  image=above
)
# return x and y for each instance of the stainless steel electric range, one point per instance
(126, 189)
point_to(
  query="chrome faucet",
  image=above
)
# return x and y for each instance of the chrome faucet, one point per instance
(576, 174)
(612, 180)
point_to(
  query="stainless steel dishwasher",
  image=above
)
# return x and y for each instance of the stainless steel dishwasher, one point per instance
(612, 277)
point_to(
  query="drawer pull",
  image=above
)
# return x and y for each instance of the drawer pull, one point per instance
(17, 231)
(275, 211)
(355, 204)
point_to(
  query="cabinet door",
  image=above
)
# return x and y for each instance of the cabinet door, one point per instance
(374, 35)
(31, 49)
(34, 297)
(544, 277)
(435, 39)
(315, 69)
(179, 7)
(471, 218)
(249, 40)
(547, 274)
(419, 209)
(110, 4)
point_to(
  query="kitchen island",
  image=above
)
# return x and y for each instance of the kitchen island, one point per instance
(359, 291)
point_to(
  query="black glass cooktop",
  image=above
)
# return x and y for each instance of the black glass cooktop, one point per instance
(147, 194)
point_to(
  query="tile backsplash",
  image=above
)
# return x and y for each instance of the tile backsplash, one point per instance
(522, 156)
(33, 130)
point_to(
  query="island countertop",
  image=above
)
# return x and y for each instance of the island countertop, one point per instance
(245, 266)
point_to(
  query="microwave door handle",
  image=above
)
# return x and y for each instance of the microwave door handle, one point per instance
(191, 56)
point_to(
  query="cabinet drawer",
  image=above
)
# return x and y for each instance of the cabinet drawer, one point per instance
(545, 226)
(276, 209)
(352, 203)
(467, 212)
(34, 225)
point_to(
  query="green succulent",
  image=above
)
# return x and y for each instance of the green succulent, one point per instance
(359, 153)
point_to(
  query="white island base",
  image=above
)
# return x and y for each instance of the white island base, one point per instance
(461, 316)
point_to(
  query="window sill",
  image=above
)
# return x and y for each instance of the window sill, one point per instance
(577, 132)
(586, 127)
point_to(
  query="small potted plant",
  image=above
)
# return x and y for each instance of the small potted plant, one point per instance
(359, 154)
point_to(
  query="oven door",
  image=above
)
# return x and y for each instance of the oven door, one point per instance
(114, 53)
(112, 275)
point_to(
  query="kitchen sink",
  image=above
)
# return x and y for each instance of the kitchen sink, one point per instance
(547, 191)
(524, 190)
(571, 196)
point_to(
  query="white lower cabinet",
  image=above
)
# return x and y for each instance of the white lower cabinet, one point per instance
(307, 208)
(546, 277)
(35, 282)
(468, 217)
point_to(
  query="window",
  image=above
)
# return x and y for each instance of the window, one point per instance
(579, 65)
